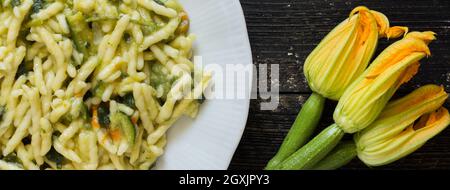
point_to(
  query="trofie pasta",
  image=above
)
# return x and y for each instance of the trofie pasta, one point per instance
(93, 84)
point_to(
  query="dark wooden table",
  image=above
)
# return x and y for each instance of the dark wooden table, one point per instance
(285, 31)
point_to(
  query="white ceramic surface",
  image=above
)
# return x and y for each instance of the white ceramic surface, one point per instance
(209, 141)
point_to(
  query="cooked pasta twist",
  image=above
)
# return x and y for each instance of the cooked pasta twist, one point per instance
(92, 84)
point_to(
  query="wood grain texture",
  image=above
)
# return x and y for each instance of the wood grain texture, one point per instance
(285, 31)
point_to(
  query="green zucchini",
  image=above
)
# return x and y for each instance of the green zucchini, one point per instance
(37, 6)
(80, 33)
(2, 112)
(15, 3)
(301, 130)
(12, 158)
(81, 111)
(128, 100)
(55, 157)
(123, 122)
(340, 156)
(103, 115)
(316, 149)
(99, 89)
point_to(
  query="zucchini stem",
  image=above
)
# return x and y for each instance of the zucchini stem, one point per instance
(301, 131)
(315, 150)
(340, 156)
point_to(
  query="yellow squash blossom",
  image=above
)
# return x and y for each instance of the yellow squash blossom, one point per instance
(338, 59)
(403, 126)
(345, 52)
(364, 99)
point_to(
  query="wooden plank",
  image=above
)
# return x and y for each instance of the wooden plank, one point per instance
(285, 35)
(285, 31)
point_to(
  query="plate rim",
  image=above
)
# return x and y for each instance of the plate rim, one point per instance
(249, 53)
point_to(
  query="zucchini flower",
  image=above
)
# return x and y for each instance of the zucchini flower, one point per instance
(345, 52)
(403, 126)
(337, 61)
(366, 97)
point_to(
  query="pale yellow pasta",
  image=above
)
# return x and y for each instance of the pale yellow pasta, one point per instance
(46, 135)
(67, 153)
(21, 110)
(33, 98)
(47, 65)
(87, 145)
(148, 56)
(177, 69)
(50, 11)
(63, 23)
(162, 34)
(192, 110)
(136, 150)
(108, 92)
(174, 94)
(157, 8)
(3, 51)
(159, 54)
(87, 69)
(9, 166)
(33, 51)
(110, 69)
(25, 157)
(59, 127)
(58, 55)
(107, 167)
(137, 33)
(115, 38)
(14, 26)
(113, 77)
(140, 104)
(125, 109)
(123, 147)
(51, 44)
(8, 81)
(92, 84)
(117, 162)
(38, 75)
(11, 107)
(71, 71)
(170, 51)
(6, 64)
(84, 5)
(185, 61)
(19, 134)
(151, 104)
(54, 26)
(157, 134)
(140, 61)
(105, 142)
(59, 111)
(132, 64)
(69, 132)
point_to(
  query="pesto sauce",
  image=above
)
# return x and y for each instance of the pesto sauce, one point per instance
(38, 5)
(103, 115)
(161, 79)
(56, 157)
(15, 3)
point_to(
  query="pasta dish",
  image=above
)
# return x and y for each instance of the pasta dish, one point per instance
(93, 84)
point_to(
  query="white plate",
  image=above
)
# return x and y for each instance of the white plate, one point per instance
(209, 141)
